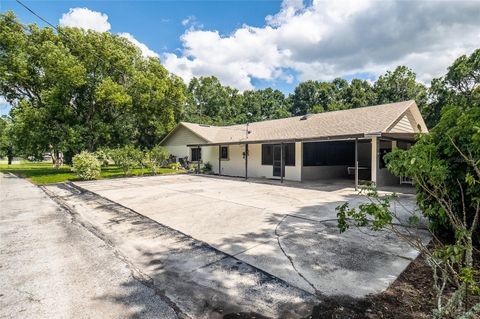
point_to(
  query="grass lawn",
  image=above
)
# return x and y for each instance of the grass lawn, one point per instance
(44, 173)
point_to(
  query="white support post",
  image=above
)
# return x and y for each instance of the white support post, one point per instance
(219, 160)
(356, 164)
(394, 145)
(374, 163)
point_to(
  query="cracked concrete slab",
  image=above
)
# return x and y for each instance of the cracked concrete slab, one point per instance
(285, 231)
(201, 281)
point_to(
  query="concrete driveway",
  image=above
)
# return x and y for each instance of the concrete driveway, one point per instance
(289, 232)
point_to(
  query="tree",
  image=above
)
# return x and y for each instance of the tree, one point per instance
(157, 103)
(209, 102)
(360, 93)
(74, 90)
(460, 87)
(457, 133)
(305, 98)
(317, 97)
(263, 105)
(400, 85)
(452, 263)
(6, 145)
(156, 158)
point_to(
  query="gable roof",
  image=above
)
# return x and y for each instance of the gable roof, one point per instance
(359, 121)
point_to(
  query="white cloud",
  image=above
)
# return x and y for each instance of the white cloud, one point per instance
(146, 52)
(192, 23)
(86, 19)
(92, 20)
(327, 39)
(188, 20)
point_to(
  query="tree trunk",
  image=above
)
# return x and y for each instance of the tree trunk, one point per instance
(10, 158)
(57, 158)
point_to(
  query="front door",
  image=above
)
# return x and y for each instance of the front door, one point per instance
(277, 160)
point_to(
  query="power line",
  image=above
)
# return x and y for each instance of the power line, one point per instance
(35, 14)
(72, 41)
(98, 56)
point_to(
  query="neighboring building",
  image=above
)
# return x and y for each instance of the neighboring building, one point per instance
(311, 147)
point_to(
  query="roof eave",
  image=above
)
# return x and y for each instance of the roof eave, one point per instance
(287, 140)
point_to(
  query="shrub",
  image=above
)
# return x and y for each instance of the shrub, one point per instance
(207, 167)
(175, 166)
(127, 158)
(445, 168)
(86, 166)
(437, 161)
(103, 156)
(156, 158)
(193, 167)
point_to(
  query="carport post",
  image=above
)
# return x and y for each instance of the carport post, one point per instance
(356, 164)
(246, 161)
(374, 159)
(282, 162)
(198, 159)
(219, 160)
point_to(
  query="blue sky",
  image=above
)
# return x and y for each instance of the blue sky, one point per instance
(257, 44)
(156, 23)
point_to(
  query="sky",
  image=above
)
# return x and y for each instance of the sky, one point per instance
(257, 44)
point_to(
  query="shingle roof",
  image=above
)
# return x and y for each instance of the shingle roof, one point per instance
(371, 119)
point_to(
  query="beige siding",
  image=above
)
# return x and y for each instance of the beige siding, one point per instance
(235, 165)
(182, 136)
(404, 125)
(177, 142)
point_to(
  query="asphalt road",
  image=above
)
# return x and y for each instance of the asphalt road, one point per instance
(52, 267)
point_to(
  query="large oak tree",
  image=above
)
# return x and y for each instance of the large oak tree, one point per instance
(74, 89)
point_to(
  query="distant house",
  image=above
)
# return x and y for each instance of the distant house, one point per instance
(347, 144)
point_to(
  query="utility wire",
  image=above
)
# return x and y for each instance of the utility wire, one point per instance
(35, 14)
(98, 56)
(72, 41)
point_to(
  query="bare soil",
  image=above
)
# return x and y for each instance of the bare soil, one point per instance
(410, 296)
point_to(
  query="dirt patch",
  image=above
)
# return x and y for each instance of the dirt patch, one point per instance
(410, 296)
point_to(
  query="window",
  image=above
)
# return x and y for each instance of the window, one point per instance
(289, 156)
(267, 154)
(224, 152)
(289, 149)
(328, 153)
(196, 154)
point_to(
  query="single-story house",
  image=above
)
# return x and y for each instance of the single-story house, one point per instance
(347, 144)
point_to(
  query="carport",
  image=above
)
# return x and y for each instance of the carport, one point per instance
(356, 158)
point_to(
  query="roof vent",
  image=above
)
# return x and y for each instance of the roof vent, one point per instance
(303, 118)
(204, 125)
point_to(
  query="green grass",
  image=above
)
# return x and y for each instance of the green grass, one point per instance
(44, 173)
